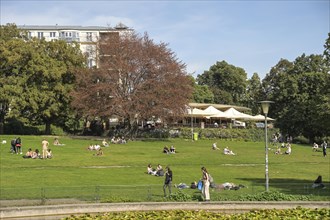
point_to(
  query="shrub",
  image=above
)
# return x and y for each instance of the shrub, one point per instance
(272, 196)
(301, 140)
(180, 196)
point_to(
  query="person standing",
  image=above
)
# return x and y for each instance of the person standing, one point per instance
(45, 145)
(206, 184)
(324, 148)
(168, 181)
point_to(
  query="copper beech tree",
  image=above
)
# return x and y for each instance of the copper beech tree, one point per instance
(136, 80)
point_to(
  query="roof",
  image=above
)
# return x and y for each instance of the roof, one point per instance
(221, 107)
(120, 26)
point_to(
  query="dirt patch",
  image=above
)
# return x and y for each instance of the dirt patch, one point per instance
(104, 167)
(242, 164)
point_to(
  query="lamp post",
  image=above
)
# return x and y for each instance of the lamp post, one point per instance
(265, 108)
(192, 124)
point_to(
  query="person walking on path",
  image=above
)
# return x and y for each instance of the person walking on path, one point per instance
(168, 181)
(45, 145)
(206, 184)
(324, 148)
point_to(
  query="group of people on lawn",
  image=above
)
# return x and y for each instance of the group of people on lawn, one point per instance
(45, 154)
(155, 172)
(324, 147)
(206, 182)
(226, 150)
(170, 150)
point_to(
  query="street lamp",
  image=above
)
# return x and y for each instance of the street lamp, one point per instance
(265, 108)
(192, 123)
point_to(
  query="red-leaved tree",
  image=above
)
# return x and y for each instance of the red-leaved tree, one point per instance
(136, 80)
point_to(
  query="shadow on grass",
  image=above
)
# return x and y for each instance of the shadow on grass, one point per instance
(292, 186)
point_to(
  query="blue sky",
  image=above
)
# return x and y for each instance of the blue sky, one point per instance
(253, 35)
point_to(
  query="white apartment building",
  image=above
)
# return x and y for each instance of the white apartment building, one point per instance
(86, 36)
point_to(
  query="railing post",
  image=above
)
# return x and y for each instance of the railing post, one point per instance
(43, 196)
(97, 194)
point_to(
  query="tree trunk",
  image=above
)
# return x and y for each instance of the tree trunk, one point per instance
(1, 125)
(47, 128)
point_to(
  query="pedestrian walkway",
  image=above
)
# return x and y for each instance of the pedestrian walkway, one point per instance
(50, 212)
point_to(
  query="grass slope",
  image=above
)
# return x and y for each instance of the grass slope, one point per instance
(120, 173)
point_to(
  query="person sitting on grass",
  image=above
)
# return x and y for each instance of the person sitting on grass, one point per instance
(278, 150)
(166, 150)
(49, 154)
(315, 147)
(150, 170)
(318, 183)
(159, 170)
(226, 151)
(57, 142)
(99, 152)
(28, 154)
(288, 151)
(172, 149)
(214, 146)
(105, 143)
(93, 147)
(35, 154)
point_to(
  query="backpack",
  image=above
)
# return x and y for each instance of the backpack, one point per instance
(200, 185)
(210, 178)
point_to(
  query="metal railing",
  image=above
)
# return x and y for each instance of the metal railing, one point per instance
(142, 193)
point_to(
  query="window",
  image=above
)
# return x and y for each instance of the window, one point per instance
(52, 34)
(29, 34)
(40, 35)
(89, 36)
(90, 63)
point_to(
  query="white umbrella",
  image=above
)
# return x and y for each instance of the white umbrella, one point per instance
(261, 118)
(234, 114)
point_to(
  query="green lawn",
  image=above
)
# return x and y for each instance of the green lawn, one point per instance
(119, 175)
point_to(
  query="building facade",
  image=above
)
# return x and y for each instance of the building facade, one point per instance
(86, 36)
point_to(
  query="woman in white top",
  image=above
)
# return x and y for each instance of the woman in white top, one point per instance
(206, 184)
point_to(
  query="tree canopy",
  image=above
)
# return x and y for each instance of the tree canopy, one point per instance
(137, 79)
(37, 77)
(227, 82)
(301, 91)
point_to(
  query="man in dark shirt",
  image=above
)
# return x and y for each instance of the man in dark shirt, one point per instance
(168, 181)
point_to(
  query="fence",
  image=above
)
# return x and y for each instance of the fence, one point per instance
(143, 193)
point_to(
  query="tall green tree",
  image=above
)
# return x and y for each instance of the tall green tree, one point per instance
(38, 77)
(201, 93)
(12, 55)
(227, 82)
(301, 93)
(254, 94)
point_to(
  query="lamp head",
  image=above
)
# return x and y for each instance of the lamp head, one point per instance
(265, 106)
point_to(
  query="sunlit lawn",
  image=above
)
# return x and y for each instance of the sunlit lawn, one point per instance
(75, 173)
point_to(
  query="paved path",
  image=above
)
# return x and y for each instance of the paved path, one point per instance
(48, 212)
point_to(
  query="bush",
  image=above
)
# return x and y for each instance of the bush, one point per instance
(180, 196)
(300, 140)
(15, 126)
(252, 134)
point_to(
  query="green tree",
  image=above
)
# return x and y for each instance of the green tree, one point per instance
(38, 77)
(202, 93)
(301, 93)
(254, 94)
(227, 82)
(12, 54)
